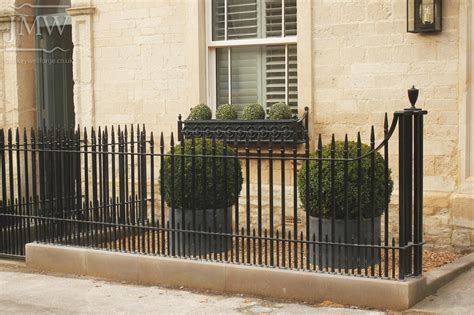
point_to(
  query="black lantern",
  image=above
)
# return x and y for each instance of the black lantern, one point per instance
(423, 16)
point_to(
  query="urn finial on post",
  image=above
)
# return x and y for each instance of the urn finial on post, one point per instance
(413, 95)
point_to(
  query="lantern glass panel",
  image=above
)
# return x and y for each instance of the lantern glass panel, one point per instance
(423, 16)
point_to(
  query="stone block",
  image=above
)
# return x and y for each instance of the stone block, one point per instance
(463, 210)
(461, 238)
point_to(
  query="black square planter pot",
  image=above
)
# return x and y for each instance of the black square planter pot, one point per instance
(184, 240)
(334, 256)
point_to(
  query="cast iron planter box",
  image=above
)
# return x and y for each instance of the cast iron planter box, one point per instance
(242, 131)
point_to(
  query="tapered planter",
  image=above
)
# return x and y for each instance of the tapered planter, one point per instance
(190, 241)
(333, 256)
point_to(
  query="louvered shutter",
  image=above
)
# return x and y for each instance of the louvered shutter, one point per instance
(290, 17)
(246, 72)
(273, 18)
(263, 74)
(245, 77)
(242, 19)
(222, 76)
(292, 78)
(218, 20)
(278, 81)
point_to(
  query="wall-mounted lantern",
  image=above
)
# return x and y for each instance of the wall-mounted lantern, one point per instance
(424, 16)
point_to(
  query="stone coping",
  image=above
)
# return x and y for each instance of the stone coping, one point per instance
(218, 277)
(438, 277)
(278, 284)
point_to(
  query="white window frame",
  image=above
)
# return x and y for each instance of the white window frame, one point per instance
(212, 45)
(466, 100)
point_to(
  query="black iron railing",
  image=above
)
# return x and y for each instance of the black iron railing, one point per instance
(116, 189)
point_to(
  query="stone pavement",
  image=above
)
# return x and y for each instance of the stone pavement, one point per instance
(22, 291)
(457, 297)
(26, 292)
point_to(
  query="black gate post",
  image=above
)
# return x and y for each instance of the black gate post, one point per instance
(411, 187)
(418, 187)
(403, 169)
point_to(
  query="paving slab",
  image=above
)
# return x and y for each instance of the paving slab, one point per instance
(22, 291)
(457, 297)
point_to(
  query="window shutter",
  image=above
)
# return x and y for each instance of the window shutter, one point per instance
(245, 76)
(222, 76)
(246, 71)
(273, 18)
(242, 20)
(278, 81)
(292, 78)
(263, 74)
(290, 17)
(218, 20)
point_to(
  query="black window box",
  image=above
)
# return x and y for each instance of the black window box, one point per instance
(285, 130)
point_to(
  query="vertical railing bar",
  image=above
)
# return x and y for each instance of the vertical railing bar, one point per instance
(214, 191)
(172, 220)
(295, 199)
(27, 186)
(259, 199)
(183, 197)
(307, 201)
(372, 199)
(193, 193)
(320, 208)
(114, 188)
(270, 179)
(225, 194)
(162, 192)
(236, 193)
(247, 194)
(132, 179)
(346, 206)
(34, 179)
(387, 197)
(152, 192)
(359, 201)
(332, 250)
(283, 199)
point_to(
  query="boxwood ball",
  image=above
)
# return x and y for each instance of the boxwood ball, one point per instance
(205, 183)
(325, 202)
(280, 111)
(226, 112)
(200, 112)
(253, 112)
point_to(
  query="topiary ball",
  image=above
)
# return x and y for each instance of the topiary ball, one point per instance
(280, 111)
(325, 202)
(200, 112)
(253, 111)
(226, 112)
(205, 181)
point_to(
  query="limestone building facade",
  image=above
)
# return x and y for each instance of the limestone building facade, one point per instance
(146, 61)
